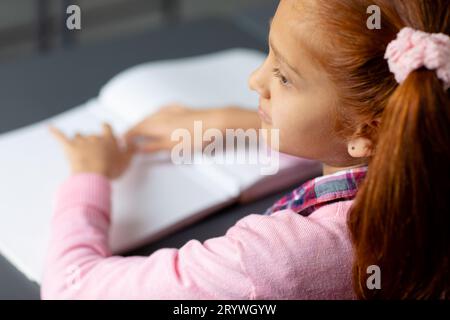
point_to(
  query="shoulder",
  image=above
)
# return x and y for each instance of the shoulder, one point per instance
(301, 257)
(290, 225)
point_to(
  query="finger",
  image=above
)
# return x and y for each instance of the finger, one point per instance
(124, 161)
(108, 131)
(130, 147)
(155, 146)
(93, 138)
(59, 135)
(138, 129)
(130, 151)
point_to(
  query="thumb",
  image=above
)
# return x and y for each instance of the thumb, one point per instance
(138, 128)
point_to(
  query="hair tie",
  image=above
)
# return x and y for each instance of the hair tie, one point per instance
(414, 49)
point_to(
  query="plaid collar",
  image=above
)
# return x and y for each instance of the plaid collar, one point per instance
(320, 191)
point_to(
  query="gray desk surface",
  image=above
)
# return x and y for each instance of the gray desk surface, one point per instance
(40, 87)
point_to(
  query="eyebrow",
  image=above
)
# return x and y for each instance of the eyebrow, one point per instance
(277, 52)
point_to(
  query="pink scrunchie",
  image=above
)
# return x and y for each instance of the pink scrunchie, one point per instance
(414, 49)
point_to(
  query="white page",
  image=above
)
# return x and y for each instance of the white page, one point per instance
(152, 196)
(212, 80)
(253, 180)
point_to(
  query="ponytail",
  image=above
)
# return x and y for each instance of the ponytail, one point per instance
(400, 220)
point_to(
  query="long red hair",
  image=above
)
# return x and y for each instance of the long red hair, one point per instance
(400, 220)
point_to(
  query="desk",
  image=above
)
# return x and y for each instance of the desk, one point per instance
(40, 87)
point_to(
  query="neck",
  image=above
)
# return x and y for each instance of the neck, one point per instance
(327, 169)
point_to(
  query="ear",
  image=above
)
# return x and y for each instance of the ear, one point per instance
(360, 147)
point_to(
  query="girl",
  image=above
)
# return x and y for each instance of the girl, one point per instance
(338, 92)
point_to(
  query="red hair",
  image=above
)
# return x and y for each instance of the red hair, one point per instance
(400, 220)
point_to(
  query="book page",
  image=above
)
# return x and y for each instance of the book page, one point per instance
(259, 171)
(213, 80)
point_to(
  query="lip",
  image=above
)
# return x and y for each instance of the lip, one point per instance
(264, 116)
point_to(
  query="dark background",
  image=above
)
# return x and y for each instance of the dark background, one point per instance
(28, 27)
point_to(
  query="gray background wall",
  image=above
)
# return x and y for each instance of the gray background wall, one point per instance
(101, 19)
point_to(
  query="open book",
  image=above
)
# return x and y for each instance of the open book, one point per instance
(155, 196)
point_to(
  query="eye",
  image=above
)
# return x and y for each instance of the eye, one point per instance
(277, 73)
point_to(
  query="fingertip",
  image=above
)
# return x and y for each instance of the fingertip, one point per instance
(58, 134)
(52, 128)
(107, 129)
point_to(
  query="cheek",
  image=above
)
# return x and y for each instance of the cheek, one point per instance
(305, 127)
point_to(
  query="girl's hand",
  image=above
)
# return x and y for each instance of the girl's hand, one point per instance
(95, 154)
(156, 129)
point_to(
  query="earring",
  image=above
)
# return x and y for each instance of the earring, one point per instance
(353, 147)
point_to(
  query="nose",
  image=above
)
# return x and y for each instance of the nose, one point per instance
(259, 81)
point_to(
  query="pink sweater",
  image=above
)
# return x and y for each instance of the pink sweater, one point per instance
(283, 256)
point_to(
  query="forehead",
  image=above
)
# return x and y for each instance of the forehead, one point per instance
(291, 23)
(295, 34)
